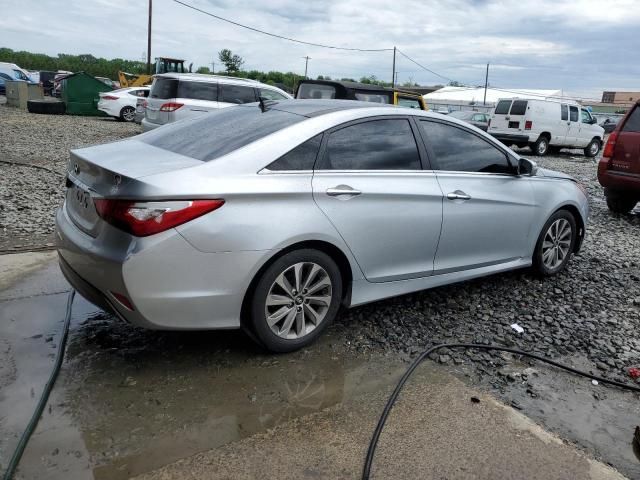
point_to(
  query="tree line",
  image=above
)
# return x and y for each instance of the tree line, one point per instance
(102, 67)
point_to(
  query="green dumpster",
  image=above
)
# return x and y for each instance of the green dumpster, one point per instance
(80, 94)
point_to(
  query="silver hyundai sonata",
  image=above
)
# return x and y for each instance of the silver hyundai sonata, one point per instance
(271, 216)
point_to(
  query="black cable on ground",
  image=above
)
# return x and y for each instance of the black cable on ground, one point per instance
(392, 399)
(33, 423)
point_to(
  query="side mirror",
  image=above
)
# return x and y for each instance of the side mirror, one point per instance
(593, 121)
(527, 167)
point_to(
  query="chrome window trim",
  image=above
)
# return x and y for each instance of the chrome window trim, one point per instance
(266, 171)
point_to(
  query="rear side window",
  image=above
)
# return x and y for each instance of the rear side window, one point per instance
(458, 150)
(300, 158)
(408, 102)
(633, 122)
(519, 107)
(314, 90)
(564, 112)
(237, 94)
(218, 133)
(375, 145)
(503, 107)
(164, 88)
(198, 90)
(573, 114)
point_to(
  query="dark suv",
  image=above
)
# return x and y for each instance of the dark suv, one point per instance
(619, 168)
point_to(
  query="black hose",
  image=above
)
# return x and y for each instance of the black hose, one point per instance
(392, 399)
(33, 423)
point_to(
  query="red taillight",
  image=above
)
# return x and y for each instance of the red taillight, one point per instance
(147, 218)
(610, 147)
(528, 124)
(170, 107)
(109, 97)
(123, 300)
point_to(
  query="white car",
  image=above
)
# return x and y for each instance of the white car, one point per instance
(546, 125)
(175, 96)
(121, 104)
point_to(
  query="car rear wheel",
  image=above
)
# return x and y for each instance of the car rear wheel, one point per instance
(540, 147)
(128, 114)
(294, 300)
(620, 202)
(593, 148)
(555, 243)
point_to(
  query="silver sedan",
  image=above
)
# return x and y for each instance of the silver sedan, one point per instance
(272, 216)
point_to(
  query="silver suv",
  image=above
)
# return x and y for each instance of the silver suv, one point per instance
(176, 96)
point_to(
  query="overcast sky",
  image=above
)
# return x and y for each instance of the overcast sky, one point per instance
(580, 46)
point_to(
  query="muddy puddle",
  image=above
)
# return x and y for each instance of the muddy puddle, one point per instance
(128, 401)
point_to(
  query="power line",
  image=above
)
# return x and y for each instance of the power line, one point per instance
(280, 36)
(421, 66)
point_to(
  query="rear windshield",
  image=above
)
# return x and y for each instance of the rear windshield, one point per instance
(633, 122)
(164, 88)
(519, 107)
(210, 136)
(373, 97)
(503, 107)
(314, 90)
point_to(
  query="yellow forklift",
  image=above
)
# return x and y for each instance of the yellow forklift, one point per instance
(161, 65)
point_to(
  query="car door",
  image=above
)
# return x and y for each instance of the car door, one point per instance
(370, 184)
(563, 125)
(574, 127)
(197, 97)
(487, 209)
(586, 131)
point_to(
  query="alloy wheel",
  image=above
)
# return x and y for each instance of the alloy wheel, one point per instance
(556, 243)
(128, 114)
(298, 300)
(593, 149)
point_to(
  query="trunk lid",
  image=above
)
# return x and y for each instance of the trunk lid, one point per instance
(163, 90)
(113, 171)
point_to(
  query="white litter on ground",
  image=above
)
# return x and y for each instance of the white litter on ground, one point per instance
(517, 328)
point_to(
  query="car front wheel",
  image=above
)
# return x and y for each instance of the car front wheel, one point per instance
(555, 243)
(294, 300)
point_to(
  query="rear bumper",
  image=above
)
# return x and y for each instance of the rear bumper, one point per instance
(147, 125)
(109, 108)
(619, 181)
(171, 285)
(511, 138)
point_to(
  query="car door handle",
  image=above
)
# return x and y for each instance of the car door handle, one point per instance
(458, 195)
(198, 110)
(342, 190)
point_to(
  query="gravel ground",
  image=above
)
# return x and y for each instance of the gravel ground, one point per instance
(29, 196)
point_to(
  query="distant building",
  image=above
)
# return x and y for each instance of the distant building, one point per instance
(622, 98)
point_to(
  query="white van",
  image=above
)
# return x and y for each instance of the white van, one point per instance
(14, 71)
(546, 125)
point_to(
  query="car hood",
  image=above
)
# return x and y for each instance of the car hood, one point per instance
(543, 172)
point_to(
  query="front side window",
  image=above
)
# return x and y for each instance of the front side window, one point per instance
(409, 102)
(375, 145)
(237, 94)
(271, 94)
(573, 114)
(198, 90)
(519, 107)
(503, 107)
(564, 112)
(585, 117)
(300, 158)
(20, 76)
(458, 150)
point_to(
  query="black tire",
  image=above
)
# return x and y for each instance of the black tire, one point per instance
(128, 114)
(619, 202)
(47, 107)
(541, 146)
(539, 264)
(258, 327)
(593, 148)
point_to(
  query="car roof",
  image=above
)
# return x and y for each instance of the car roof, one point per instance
(203, 77)
(313, 108)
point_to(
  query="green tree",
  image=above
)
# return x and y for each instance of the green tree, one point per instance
(203, 70)
(232, 62)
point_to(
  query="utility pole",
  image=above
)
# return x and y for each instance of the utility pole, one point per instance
(486, 82)
(393, 72)
(149, 41)
(213, 67)
(395, 79)
(306, 64)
